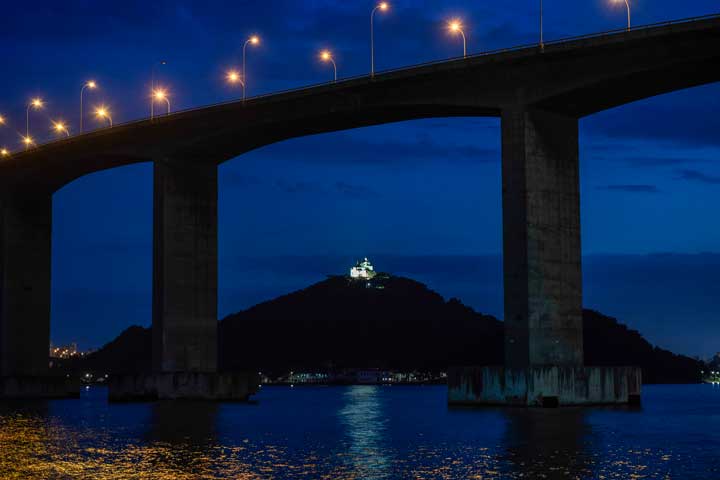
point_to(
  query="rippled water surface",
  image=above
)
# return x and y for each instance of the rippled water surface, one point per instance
(361, 432)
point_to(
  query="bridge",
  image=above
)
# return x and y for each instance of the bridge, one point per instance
(539, 92)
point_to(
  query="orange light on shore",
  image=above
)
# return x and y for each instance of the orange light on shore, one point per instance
(2, 120)
(4, 152)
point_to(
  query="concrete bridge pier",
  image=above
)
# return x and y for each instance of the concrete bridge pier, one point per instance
(543, 278)
(25, 244)
(185, 326)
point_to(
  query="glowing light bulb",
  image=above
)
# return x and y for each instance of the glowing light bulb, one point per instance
(232, 76)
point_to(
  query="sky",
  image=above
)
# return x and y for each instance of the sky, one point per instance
(423, 198)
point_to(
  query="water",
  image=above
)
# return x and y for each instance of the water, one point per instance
(363, 432)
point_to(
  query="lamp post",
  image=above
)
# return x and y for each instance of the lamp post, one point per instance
(60, 127)
(456, 27)
(254, 40)
(103, 113)
(542, 40)
(326, 56)
(382, 6)
(162, 95)
(627, 5)
(37, 104)
(152, 87)
(233, 77)
(91, 85)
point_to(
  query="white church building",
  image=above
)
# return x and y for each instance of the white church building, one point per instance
(362, 270)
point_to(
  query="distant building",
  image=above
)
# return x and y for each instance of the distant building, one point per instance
(362, 270)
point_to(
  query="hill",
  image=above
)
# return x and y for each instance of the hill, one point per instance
(389, 322)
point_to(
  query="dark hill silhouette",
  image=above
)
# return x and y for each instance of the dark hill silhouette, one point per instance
(390, 322)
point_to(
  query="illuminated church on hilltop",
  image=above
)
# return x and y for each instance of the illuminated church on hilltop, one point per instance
(362, 270)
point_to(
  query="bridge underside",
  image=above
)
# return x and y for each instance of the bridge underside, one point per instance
(539, 94)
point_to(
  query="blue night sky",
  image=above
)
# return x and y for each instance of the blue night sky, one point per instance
(421, 198)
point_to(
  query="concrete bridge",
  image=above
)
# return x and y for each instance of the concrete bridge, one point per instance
(539, 94)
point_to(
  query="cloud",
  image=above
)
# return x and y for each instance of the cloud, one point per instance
(699, 177)
(631, 188)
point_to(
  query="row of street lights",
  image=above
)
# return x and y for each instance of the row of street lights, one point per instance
(454, 26)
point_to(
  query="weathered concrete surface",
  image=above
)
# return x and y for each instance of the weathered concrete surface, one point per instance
(26, 387)
(185, 267)
(544, 386)
(25, 239)
(183, 385)
(541, 237)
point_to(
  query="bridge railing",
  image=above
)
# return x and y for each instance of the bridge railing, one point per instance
(346, 80)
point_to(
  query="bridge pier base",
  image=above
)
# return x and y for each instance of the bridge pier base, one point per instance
(542, 276)
(549, 386)
(228, 386)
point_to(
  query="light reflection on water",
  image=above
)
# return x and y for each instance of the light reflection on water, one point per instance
(363, 432)
(365, 423)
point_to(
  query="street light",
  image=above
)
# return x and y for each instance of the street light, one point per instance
(627, 4)
(455, 26)
(91, 85)
(103, 113)
(542, 40)
(233, 76)
(152, 87)
(162, 95)
(253, 40)
(60, 127)
(382, 6)
(27, 141)
(2, 120)
(37, 104)
(4, 152)
(326, 56)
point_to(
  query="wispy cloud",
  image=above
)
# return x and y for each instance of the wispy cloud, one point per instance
(700, 177)
(631, 188)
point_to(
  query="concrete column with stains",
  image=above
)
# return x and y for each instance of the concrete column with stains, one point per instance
(541, 239)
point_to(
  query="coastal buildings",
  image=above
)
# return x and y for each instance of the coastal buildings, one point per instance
(363, 270)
